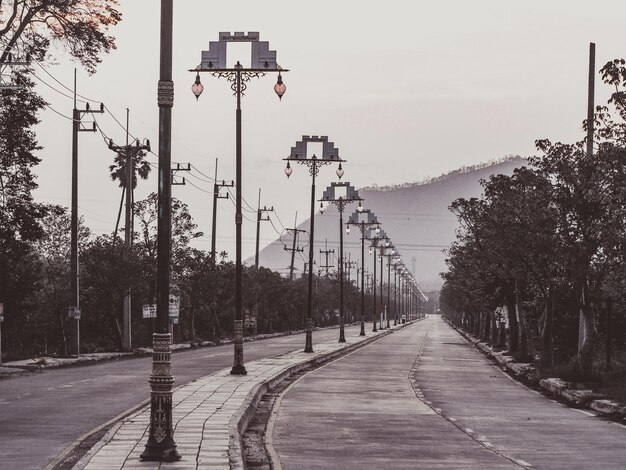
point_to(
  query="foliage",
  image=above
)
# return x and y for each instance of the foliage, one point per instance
(547, 242)
(79, 26)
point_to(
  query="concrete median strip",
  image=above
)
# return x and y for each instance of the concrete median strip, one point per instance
(210, 414)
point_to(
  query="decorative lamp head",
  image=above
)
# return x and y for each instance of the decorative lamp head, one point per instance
(288, 170)
(360, 207)
(339, 171)
(280, 87)
(197, 88)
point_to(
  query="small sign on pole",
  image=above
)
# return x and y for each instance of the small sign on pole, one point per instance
(73, 313)
(174, 309)
(1, 312)
(149, 310)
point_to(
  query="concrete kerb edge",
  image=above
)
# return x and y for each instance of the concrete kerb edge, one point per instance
(240, 420)
(549, 387)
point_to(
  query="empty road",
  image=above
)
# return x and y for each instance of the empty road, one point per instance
(425, 398)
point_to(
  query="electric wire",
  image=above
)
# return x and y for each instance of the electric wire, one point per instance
(64, 86)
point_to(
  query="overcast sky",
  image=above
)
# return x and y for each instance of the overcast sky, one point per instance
(406, 90)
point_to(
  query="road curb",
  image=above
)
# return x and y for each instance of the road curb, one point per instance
(574, 394)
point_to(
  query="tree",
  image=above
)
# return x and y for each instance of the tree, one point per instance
(53, 294)
(79, 26)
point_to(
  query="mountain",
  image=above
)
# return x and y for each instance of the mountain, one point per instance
(414, 215)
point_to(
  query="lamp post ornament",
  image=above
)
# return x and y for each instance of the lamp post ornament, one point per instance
(364, 220)
(263, 61)
(341, 194)
(329, 155)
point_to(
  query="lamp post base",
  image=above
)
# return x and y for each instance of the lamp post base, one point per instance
(374, 329)
(362, 333)
(342, 335)
(308, 347)
(238, 367)
(160, 445)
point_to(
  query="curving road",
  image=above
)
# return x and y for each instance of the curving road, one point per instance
(42, 413)
(425, 398)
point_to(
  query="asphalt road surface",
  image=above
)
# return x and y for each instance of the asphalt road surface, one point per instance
(42, 413)
(425, 398)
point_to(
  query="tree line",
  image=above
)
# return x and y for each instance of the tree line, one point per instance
(548, 243)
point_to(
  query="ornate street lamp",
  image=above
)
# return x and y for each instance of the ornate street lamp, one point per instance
(396, 269)
(263, 61)
(341, 194)
(383, 310)
(392, 253)
(376, 241)
(298, 154)
(364, 220)
(161, 445)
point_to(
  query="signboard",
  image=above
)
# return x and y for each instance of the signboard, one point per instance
(73, 313)
(174, 309)
(149, 310)
(1, 312)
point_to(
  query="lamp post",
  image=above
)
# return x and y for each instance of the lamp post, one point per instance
(334, 194)
(329, 155)
(383, 313)
(364, 220)
(376, 240)
(392, 254)
(396, 268)
(161, 445)
(263, 61)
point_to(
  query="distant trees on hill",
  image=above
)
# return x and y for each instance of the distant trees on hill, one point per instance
(435, 179)
(548, 244)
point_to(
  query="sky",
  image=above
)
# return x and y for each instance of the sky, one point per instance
(406, 90)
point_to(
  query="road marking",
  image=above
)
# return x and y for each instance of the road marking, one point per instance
(523, 463)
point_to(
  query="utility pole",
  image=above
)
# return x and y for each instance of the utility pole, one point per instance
(259, 218)
(130, 153)
(326, 252)
(294, 248)
(74, 310)
(216, 195)
(175, 170)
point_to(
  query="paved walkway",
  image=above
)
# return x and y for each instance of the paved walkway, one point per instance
(204, 413)
(424, 398)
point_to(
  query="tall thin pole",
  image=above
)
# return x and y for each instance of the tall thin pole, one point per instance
(258, 231)
(388, 285)
(126, 336)
(308, 347)
(216, 189)
(342, 337)
(590, 130)
(161, 445)
(74, 219)
(238, 367)
(590, 99)
(374, 285)
(362, 333)
(293, 248)
(381, 288)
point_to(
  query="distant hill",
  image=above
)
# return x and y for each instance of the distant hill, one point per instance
(414, 215)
